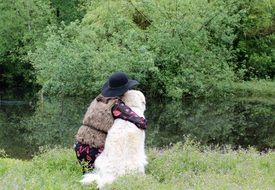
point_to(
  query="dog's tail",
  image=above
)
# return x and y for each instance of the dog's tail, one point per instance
(101, 181)
(89, 179)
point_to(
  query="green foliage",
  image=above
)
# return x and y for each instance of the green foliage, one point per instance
(174, 49)
(68, 11)
(80, 60)
(22, 24)
(191, 40)
(256, 39)
(255, 88)
(190, 166)
(183, 166)
(6, 164)
(55, 169)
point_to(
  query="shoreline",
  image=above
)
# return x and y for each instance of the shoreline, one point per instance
(182, 166)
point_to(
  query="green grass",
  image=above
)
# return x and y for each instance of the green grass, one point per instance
(183, 166)
(257, 88)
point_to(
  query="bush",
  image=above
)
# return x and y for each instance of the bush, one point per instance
(173, 48)
(256, 39)
(22, 24)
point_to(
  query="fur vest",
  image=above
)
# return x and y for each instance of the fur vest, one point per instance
(97, 121)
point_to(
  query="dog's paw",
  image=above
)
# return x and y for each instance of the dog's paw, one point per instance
(89, 179)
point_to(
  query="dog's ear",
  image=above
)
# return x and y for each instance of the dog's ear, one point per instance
(134, 98)
(142, 98)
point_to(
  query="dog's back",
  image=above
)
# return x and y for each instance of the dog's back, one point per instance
(124, 148)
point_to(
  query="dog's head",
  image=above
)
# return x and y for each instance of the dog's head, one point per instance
(135, 98)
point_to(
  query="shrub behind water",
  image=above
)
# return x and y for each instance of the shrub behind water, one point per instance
(173, 48)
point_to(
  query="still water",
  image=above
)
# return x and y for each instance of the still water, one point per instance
(29, 123)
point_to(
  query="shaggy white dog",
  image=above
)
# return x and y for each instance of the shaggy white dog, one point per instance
(124, 147)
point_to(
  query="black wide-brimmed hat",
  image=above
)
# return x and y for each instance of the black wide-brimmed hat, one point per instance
(117, 85)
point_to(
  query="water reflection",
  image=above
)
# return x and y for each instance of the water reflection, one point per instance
(54, 122)
(236, 122)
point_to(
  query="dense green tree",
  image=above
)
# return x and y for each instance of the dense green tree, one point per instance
(255, 43)
(22, 24)
(68, 11)
(174, 48)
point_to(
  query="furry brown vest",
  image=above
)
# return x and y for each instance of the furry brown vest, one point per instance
(96, 123)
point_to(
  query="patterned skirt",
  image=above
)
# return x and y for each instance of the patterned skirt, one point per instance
(86, 155)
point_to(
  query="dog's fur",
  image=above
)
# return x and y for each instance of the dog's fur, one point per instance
(124, 147)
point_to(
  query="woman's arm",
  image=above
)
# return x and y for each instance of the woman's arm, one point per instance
(121, 110)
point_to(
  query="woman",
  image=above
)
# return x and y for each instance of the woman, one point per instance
(99, 118)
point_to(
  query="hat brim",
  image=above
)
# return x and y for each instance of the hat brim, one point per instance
(107, 91)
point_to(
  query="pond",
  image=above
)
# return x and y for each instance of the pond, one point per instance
(29, 123)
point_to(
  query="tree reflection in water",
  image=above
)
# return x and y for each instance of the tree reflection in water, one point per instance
(54, 122)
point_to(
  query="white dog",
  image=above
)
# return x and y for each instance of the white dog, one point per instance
(124, 147)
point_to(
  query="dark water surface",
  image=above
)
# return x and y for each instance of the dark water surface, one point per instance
(27, 123)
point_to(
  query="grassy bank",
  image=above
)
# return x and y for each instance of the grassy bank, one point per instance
(257, 88)
(183, 166)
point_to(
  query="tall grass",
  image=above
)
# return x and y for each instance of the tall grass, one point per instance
(256, 88)
(182, 166)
